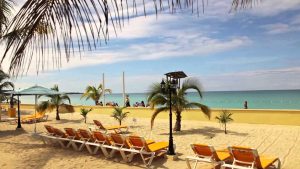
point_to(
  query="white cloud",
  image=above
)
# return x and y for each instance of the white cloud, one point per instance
(273, 79)
(277, 28)
(274, 7)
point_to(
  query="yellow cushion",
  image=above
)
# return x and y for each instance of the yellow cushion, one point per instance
(157, 146)
(149, 142)
(115, 127)
(223, 155)
(266, 161)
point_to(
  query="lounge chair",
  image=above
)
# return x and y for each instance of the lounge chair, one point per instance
(49, 137)
(39, 116)
(207, 154)
(62, 138)
(104, 143)
(90, 142)
(140, 146)
(116, 129)
(248, 158)
(123, 146)
(76, 139)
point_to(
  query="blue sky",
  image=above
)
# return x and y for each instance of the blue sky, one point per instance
(253, 49)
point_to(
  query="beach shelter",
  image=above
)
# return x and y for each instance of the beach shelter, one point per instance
(36, 91)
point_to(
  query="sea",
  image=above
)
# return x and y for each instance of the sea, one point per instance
(261, 99)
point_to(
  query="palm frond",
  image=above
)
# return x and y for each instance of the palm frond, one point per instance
(192, 83)
(242, 4)
(52, 28)
(205, 109)
(155, 113)
(6, 85)
(6, 7)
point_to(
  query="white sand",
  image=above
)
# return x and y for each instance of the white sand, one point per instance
(20, 150)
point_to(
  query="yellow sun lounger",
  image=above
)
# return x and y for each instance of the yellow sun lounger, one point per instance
(40, 116)
(207, 154)
(248, 158)
(116, 129)
(140, 146)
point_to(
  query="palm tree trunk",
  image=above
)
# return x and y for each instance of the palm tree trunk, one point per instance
(84, 119)
(225, 129)
(120, 122)
(177, 126)
(57, 113)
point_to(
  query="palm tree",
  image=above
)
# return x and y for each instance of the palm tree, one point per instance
(119, 115)
(84, 113)
(160, 101)
(75, 24)
(54, 102)
(224, 118)
(4, 84)
(91, 92)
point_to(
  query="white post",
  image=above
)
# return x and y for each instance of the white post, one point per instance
(35, 114)
(103, 85)
(124, 88)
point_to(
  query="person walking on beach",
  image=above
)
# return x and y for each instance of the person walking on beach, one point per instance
(245, 105)
(127, 101)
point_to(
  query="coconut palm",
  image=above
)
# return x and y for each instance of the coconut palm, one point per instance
(54, 102)
(119, 115)
(161, 101)
(84, 113)
(76, 25)
(91, 92)
(224, 118)
(4, 84)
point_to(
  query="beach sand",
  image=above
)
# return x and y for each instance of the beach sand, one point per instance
(18, 149)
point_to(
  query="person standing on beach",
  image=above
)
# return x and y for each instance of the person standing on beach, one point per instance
(245, 105)
(127, 101)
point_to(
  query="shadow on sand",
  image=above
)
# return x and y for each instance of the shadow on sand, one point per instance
(208, 132)
(11, 133)
(67, 121)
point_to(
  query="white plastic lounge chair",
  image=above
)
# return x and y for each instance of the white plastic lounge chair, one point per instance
(76, 140)
(248, 158)
(146, 151)
(207, 154)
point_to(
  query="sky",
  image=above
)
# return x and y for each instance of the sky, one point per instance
(251, 49)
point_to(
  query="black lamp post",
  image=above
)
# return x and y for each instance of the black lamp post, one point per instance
(173, 83)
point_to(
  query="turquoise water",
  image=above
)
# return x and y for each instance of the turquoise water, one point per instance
(269, 99)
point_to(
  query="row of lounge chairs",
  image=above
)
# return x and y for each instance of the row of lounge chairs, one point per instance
(234, 158)
(109, 144)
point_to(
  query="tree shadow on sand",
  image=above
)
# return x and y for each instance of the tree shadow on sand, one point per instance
(67, 121)
(11, 133)
(209, 132)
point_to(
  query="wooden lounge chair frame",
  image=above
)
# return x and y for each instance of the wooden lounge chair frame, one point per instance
(251, 153)
(116, 129)
(207, 154)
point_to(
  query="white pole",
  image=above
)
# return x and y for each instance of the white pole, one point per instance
(35, 113)
(103, 83)
(124, 88)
